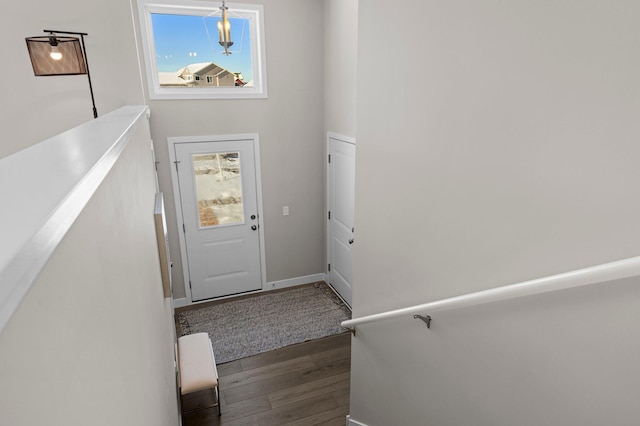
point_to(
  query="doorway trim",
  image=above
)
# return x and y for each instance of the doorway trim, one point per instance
(174, 140)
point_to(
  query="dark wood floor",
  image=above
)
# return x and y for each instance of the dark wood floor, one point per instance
(304, 384)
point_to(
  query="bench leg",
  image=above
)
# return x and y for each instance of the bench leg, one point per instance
(216, 398)
(216, 395)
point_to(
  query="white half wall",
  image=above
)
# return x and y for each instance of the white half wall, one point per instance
(92, 340)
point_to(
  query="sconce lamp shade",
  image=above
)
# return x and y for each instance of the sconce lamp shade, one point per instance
(56, 55)
(70, 60)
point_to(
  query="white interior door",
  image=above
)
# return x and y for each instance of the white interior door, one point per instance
(341, 188)
(220, 213)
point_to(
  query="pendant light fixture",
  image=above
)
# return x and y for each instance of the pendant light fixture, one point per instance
(224, 30)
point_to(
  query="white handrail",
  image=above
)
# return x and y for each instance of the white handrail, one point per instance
(581, 277)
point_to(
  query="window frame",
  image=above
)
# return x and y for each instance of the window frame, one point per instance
(199, 8)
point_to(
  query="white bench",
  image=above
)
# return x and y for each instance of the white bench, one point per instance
(197, 366)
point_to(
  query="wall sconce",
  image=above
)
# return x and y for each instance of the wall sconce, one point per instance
(55, 55)
(224, 30)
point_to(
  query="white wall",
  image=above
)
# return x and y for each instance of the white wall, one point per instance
(340, 66)
(340, 72)
(513, 144)
(91, 343)
(563, 358)
(36, 108)
(507, 153)
(290, 126)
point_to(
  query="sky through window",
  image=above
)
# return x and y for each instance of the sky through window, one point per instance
(183, 55)
(182, 40)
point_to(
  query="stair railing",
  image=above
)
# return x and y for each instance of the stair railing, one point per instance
(582, 277)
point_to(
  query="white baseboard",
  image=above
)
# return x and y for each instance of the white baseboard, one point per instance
(273, 285)
(179, 303)
(292, 282)
(351, 422)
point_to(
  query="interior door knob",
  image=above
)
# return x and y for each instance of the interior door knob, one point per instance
(351, 241)
(254, 227)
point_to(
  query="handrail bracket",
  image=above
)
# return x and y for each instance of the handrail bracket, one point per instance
(426, 319)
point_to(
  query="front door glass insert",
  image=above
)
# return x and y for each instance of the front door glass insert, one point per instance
(218, 188)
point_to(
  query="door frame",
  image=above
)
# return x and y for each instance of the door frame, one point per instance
(346, 139)
(174, 140)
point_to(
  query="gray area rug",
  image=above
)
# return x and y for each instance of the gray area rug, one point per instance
(249, 326)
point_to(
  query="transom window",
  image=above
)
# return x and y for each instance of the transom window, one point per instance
(202, 49)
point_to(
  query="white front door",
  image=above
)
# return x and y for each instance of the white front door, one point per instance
(341, 188)
(219, 203)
